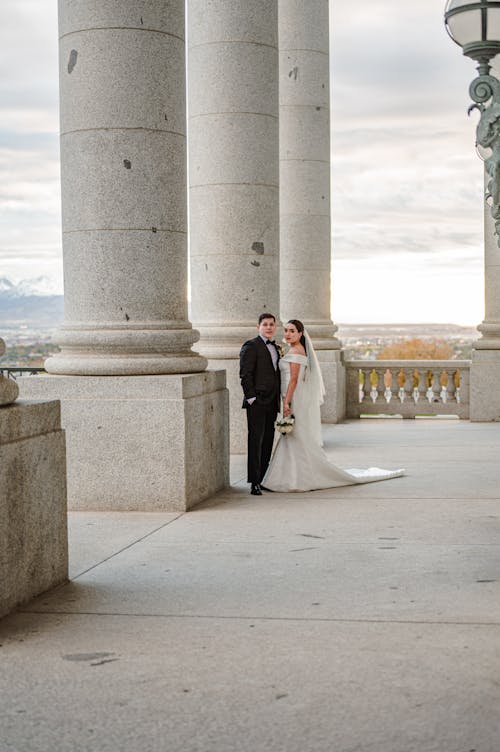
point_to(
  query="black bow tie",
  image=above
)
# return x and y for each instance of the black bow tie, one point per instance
(270, 342)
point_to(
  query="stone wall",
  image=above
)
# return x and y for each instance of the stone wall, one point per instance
(33, 516)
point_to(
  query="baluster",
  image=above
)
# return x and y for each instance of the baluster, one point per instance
(361, 384)
(443, 382)
(429, 380)
(374, 384)
(451, 389)
(416, 380)
(456, 383)
(366, 385)
(401, 379)
(388, 385)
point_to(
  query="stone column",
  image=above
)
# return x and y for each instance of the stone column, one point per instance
(485, 367)
(305, 235)
(234, 171)
(123, 170)
(147, 427)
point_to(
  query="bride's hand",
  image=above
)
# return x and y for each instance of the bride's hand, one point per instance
(287, 410)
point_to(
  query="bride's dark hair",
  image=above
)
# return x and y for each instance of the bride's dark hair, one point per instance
(300, 328)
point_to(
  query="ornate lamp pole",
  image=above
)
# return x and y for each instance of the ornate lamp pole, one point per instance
(475, 26)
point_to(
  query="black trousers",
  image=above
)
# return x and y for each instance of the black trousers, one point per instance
(260, 419)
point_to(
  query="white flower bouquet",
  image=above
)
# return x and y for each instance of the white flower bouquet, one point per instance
(284, 425)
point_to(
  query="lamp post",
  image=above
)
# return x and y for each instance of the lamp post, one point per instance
(475, 26)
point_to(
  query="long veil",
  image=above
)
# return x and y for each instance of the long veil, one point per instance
(313, 373)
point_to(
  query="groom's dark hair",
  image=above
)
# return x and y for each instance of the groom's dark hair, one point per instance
(266, 316)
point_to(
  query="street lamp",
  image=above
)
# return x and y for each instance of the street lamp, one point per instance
(475, 26)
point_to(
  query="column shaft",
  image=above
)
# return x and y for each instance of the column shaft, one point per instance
(123, 165)
(490, 327)
(484, 392)
(305, 237)
(233, 164)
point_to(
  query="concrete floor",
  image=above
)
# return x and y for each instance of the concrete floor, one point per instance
(359, 619)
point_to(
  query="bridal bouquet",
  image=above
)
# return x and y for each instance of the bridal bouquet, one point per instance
(284, 425)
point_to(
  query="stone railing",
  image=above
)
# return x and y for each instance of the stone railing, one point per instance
(408, 388)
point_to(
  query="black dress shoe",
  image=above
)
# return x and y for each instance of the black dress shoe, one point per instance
(255, 490)
(269, 490)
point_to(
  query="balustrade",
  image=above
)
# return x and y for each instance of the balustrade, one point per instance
(407, 387)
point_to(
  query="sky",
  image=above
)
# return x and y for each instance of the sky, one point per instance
(406, 180)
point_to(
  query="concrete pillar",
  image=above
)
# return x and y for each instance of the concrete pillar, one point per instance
(485, 368)
(123, 170)
(147, 427)
(234, 171)
(305, 235)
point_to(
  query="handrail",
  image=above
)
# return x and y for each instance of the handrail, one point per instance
(12, 371)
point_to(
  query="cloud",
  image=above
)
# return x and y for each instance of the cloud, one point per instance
(406, 182)
(405, 175)
(29, 145)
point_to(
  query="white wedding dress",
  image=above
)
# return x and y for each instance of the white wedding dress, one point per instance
(298, 462)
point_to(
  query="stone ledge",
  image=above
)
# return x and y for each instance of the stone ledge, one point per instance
(33, 517)
(23, 420)
(161, 386)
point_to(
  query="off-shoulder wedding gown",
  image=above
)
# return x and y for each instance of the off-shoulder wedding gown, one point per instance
(299, 462)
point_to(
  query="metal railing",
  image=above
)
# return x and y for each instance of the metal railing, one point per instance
(408, 388)
(11, 372)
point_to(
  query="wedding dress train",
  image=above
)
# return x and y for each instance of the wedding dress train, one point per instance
(298, 462)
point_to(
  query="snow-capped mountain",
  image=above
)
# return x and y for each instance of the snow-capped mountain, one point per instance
(30, 302)
(38, 286)
(6, 286)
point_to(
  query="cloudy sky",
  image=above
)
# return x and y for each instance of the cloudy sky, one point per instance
(406, 181)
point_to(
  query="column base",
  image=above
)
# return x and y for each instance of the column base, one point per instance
(333, 409)
(141, 443)
(122, 351)
(33, 514)
(67, 364)
(484, 391)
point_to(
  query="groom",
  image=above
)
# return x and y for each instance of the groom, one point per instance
(260, 379)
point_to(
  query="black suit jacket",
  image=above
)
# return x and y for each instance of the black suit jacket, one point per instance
(258, 376)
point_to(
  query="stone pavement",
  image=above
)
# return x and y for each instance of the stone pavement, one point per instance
(359, 619)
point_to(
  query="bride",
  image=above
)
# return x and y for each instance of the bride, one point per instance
(299, 462)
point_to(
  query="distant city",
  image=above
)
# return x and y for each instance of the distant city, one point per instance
(366, 341)
(31, 311)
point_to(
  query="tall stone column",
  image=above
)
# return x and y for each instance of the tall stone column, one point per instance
(485, 368)
(305, 234)
(234, 172)
(134, 429)
(123, 169)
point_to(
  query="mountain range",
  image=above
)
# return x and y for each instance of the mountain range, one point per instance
(31, 302)
(36, 305)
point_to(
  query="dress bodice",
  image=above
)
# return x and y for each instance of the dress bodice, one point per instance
(284, 366)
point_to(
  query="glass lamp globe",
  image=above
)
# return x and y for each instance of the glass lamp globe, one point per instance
(475, 26)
